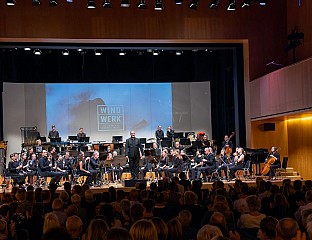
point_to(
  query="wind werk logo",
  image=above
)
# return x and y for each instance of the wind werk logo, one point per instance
(110, 117)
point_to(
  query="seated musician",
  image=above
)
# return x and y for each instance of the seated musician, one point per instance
(46, 168)
(33, 166)
(117, 169)
(83, 167)
(208, 164)
(94, 166)
(176, 164)
(205, 141)
(14, 170)
(148, 165)
(196, 163)
(238, 162)
(162, 163)
(177, 146)
(277, 161)
(25, 169)
(227, 161)
(62, 165)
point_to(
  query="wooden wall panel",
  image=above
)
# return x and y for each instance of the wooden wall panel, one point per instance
(299, 142)
(282, 92)
(75, 21)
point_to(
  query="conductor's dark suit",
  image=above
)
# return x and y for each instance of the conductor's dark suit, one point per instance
(132, 150)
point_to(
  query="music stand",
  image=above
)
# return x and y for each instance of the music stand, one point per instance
(142, 140)
(102, 148)
(84, 139)
(43, 139)
(119, 160)
(197, 144)
(55, 139)
(185, 141)
(116, 139)
(118, 145)
(148, 145)
(73, 138)
(178, 135)
(166, 144)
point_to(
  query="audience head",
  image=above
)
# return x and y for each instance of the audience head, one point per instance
(253, 203)
(97, 229)
(50, 221)
(136, 212)
(72, 210)
(267, 228)
(286, 229)
(185, 218)
(56, 233)
(208, 232)
(190, 198)
(57, 204)
(64, 196)
(174, 229)
(308, 196)
(117, 233)
(161, 227)
(74, 226)
(144, 230)
(75, 199)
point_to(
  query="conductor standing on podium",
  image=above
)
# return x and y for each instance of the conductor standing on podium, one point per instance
(133, 152)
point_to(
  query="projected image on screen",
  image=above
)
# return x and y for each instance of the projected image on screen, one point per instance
(104, 110)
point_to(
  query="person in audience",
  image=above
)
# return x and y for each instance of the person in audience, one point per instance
(50, 221)
(175, 230)
(208, 232)
(267, 228)
(161, 227)
(308, 205)
(56, 233)
(287, 229)
(188, 232)
(97, 229)
(57, 206)
(143, 230)
(217, 219)
(74, 227)
(118, 233)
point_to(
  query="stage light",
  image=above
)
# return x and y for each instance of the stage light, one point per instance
(193, 4)
(69, 1)
(122, 52)
(262, 2)
(37, 52)
(142, 4)
(246, 3)
(179, 52)
(125, 3)
(65, 52)
(156, 52)
(159, 5)
(91, 4)
(231, 6)
(36, 2)
(178, 2)
(214, 4)
(53, 3)
(97, 52)
(106, 4)
(10, 2)
(27, 48)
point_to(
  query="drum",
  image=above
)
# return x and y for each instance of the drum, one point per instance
(126, 176)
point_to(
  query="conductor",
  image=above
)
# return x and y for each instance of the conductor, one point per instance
(133, 152)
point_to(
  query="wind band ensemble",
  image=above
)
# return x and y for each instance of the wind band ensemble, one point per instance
(107, 164)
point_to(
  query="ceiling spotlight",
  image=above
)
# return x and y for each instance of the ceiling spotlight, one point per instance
(65, 52)
(37, 52)
(178, 2)
(262, 2)
(142, 4)
(214, 4)
(193, 4)
(27, 48)
(97, 52)
(125, 3)
(159, 5)
(122, 52)
(179, 52)
(246, 3)
(156, 52)
(53, 3)
(10, 2)
(106, 4)
(69, 1)
(231, 6)
(91, 3)
(36, 2)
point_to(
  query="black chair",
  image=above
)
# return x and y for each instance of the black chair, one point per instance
(279, 171)
(246, 170)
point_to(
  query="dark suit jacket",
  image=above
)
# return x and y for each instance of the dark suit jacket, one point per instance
(133, 147)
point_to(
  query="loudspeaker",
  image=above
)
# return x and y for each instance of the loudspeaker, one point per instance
(268, 126)
(132, 182)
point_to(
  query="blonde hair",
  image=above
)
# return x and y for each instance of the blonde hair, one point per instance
(50, 221)
(208, 231)
(144, 230)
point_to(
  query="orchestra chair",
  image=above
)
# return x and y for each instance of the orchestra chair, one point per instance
(7, 181)
(245, 172)
(279, 171)
(41, 181)
(126, 176)
(215, 173)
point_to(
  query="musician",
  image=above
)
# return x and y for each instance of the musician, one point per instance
(62, 164)
(46, 168)
(37, 133)
(38, 147)
(227, 142)
(30, 151)
(170, 133)
(159, 134)
(117, 169)
(205, 141)
(14, 170)
(277, 163)
(83, 167)
(177, 146)
(226, 163)
(133, 152)
(208, 163)
(53, 133)
(25, 169)
(33, 166)
(176, 164)
(81, 133)
(196, 162)
(238, 162)
(94, 165)
(162, 163)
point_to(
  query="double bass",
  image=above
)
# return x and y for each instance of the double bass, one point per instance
(227, 149)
